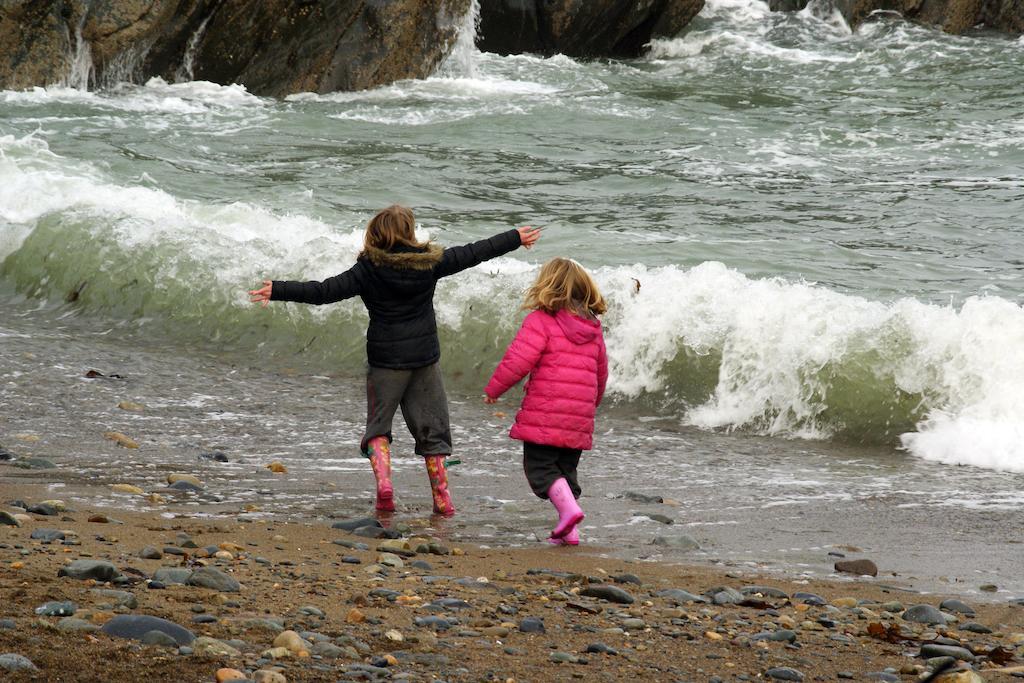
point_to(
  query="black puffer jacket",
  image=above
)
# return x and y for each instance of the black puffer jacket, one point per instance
(397, 288)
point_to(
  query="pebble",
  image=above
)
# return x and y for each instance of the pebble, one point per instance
(74, 624)
(353, 524)
(226, 674)
(924, 614)
(134, 626)
(13, 662)
(172, 575)
(678, 596)
(532, 625)
(47, 535)
(62, 608)
(932, 650)
(609, 593)
(34, 464)
(601, 648)
(90, 569)
(766, 591)
(292, 641)
(780, 636)
(158, 638)
(975, 628)
(724, 595)
(8, 519)
(215, 579)
(784, 673)
(151, 553)
(859, 567)
(682, 542)
(957, 607)
(564, 658)
(204, 646)
(885, 676)
(435, 622)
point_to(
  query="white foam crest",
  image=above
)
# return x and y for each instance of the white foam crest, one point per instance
(774, 337)
(738, 43)
(194, 97)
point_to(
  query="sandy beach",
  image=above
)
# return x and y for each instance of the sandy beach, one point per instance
(268, 600)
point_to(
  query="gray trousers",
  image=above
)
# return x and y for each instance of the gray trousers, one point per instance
(420, 394)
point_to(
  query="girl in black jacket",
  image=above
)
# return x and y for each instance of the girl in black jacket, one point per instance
(395, 275)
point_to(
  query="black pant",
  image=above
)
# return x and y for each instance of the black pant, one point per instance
(546, 464)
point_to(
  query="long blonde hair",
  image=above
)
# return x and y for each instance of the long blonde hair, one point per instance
(393, 225)
(563, 283)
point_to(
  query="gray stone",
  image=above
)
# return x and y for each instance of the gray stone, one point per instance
(532, 625)
(601, 648)
(57, 608)
(158, 638)
(784, 673)
(609, 593)
(564, 658)
(34, 464)
(13, 662)
(781, 636)
(678, 596)
(683, 542)
(930, 650)
(44, 509)
(135, 626)
(953, 605)
(97, 570)
(924, 614)
(205, 646)
(353, 524)
(724, 595)
(8, 519)
(186, 486)
(432, 621)
(767, 591)
(119, 598)
(215, 579)
(975, 628)
(332, 651)
(151, 553)
(47, 535)
(74, 624)
(8, 624)
(172, 575)
(809, 598)
(884, 676)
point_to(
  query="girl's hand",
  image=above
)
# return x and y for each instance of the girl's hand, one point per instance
(489, 400)
(261, 296)
(528, 236)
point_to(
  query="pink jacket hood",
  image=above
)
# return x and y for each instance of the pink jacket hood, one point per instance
(576, 329)
(565, 357)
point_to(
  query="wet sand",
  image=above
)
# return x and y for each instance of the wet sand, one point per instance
(466, 614)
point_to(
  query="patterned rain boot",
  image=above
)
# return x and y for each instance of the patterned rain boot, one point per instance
(379, 449)
(569, 512)
(438, 476)
(571, 538)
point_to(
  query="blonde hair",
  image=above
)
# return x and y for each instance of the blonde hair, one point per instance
(563, 283)
(393, 225)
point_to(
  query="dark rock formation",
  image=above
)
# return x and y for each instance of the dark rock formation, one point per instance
(580, 28)
(952, 16)
(273, 47)
(276, 47)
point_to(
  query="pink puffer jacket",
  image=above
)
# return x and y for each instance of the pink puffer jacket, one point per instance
(568, 367)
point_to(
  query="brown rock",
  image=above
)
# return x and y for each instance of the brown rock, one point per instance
(859, 567)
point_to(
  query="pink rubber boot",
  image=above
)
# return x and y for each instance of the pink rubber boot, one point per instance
(379, 449)
(571, 538)
(438, 476)
(569, 512)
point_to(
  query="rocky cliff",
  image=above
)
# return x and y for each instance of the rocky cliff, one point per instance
(952, 16)
(580, 28)
(273, 47)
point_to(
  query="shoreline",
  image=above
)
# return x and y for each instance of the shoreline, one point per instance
(381, 610)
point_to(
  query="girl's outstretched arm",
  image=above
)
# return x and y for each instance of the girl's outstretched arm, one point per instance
(342, 286)
(457, 259)
(522, 355)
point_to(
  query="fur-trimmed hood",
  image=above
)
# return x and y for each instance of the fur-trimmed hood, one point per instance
(404, 257)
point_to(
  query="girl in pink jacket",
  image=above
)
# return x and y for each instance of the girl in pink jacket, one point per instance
(561, 348)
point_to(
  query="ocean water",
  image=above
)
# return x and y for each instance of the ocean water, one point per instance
(809, 238)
